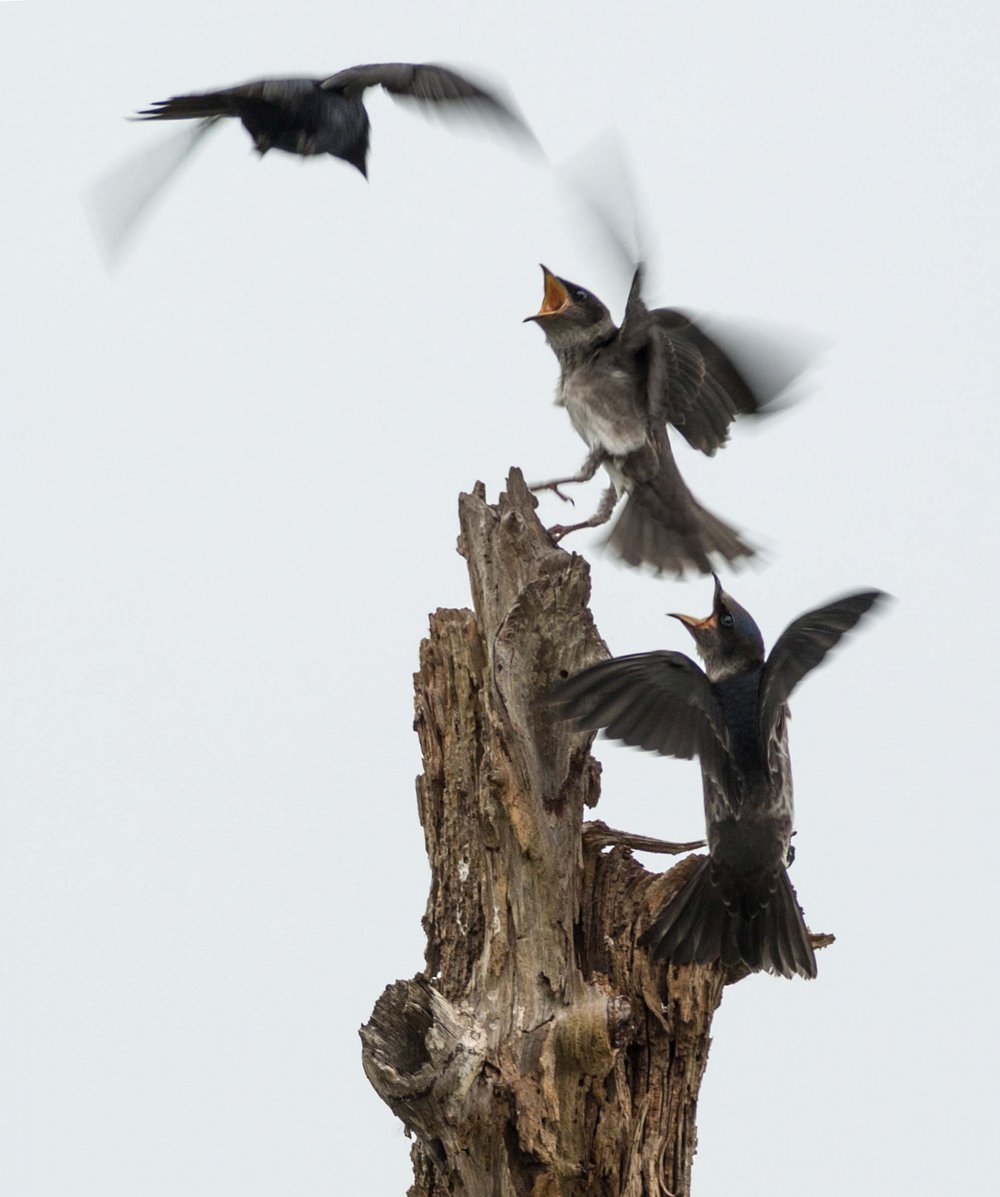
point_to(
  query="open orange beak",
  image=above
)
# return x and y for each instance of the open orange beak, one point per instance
(556, 298)
(697, 625)
(711, 621)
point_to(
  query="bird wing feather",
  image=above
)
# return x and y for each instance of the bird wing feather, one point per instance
(427, 83)
(803, 645)
(690, 382)
(260, 95)
(417, 81)
(660, 701)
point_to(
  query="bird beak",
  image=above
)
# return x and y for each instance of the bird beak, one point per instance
(555, 300)
(694, 626)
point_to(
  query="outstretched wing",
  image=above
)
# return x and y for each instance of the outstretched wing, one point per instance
(690, 382)
(803, 645)
(426, 82)
(120, 200)
(261, 97)
(660, 701)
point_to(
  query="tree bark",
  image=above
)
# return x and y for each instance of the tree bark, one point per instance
(541, 1053)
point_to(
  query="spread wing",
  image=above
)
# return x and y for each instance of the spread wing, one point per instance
(660, 701)
(427, 83)
(690, 381)
(261, 97)
(803, 645)
(120, 200)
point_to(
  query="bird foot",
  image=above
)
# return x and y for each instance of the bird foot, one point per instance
(558, 531)
(554, 487)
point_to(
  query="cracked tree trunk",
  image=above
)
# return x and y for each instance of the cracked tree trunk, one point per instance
(541, 1054)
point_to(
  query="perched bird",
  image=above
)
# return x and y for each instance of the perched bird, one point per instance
(739, 906)
(621, 387)
(328, 116)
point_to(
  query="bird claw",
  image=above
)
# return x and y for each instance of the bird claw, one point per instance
(554, 487)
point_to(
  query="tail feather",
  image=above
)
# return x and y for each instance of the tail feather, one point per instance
(774, 947)
(720, 916)
(664, 525)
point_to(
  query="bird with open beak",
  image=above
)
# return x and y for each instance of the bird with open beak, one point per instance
(621, 387)
(738, 906)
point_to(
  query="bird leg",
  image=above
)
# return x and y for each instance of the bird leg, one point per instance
(600, 516)
(589, 469)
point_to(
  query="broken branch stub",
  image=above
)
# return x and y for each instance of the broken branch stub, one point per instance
(541, 1054)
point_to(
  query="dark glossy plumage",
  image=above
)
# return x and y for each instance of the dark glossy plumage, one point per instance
(621, 388)
(327, 116)
(739, 906)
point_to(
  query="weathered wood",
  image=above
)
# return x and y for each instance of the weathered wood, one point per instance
(541, 1054)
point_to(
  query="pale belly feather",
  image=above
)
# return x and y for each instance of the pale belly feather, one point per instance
(603, 410)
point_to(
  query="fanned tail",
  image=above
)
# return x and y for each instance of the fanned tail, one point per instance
(717, 915)
(665, 526)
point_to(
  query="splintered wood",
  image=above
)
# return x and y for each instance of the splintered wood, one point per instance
(540, 1054)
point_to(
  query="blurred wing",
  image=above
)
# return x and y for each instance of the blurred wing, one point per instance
(659, 701)
(426, 83)
(120, 200)
(599, 178)
(691, 381)
(803, 645)
(634, 331)
(261, 96)
(773, 359)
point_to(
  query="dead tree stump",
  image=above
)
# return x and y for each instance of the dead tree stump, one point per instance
(541, 1054)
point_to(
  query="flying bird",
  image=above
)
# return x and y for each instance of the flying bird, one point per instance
(327, 116)
(621, 388)
(739, 906)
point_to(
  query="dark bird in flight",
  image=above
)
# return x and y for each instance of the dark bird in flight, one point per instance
(739, 906)
(328, 116)
(622, 387)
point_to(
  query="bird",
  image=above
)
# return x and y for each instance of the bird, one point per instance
(739, 905)
(621, 388)
(308, 116)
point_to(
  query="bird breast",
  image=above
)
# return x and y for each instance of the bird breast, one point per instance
(603, 407)
(757, 817)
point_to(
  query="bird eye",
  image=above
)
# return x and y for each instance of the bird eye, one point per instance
(582, 295)
(727, 620)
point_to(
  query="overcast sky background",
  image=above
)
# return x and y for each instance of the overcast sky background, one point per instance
(229, 475)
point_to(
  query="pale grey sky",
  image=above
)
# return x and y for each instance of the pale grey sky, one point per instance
(230, 471)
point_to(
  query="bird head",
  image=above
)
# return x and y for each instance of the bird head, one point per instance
(728, 640)
(570, 314)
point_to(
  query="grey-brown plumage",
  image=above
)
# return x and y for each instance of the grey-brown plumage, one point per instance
(739, 906)
(621, 388)
(327, 116)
